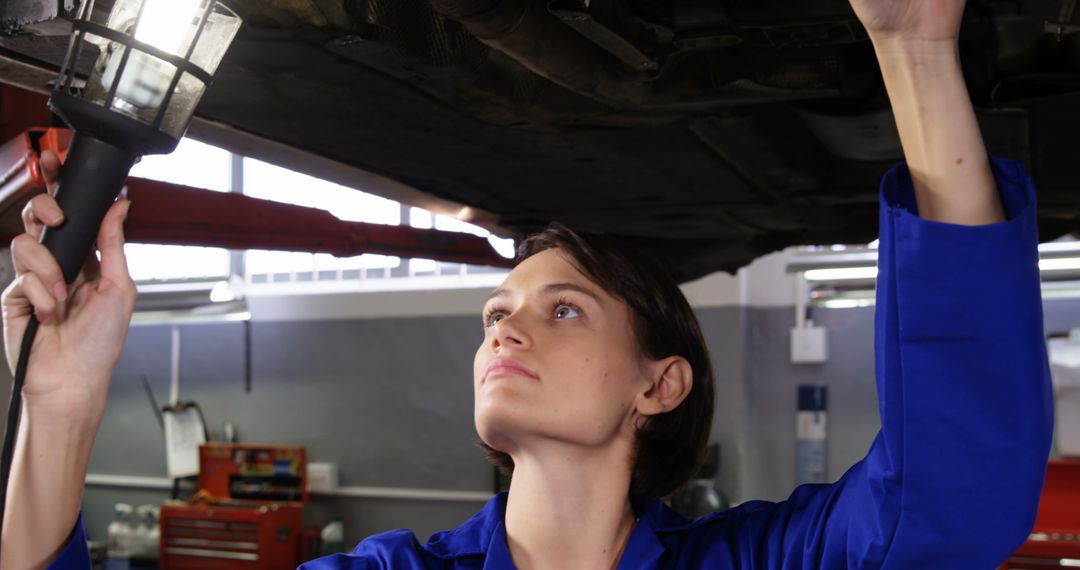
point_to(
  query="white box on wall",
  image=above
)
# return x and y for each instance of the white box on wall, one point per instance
(322, 477)
(809, 345)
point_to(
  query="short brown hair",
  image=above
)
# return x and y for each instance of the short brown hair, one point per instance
(669, 447)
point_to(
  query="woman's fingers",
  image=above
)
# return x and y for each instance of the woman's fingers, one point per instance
(29, 294)
(42, 210)
(45, 304)
(29, 256)
(50, 169)
(110, 243)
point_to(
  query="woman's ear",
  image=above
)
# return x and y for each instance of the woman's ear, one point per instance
(671, 381)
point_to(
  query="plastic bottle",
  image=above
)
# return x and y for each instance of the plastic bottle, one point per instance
(153, 536)
(120, 534)
(333, 537)
(140, 542)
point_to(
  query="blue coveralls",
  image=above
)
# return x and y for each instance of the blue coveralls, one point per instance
(951, 481)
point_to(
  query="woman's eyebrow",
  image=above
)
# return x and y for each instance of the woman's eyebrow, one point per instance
(560, 287)
(550, 289)
(500, 292)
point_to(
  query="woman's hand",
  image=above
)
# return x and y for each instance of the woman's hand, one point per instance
(79, 340)
(918, 20)
(83, 326)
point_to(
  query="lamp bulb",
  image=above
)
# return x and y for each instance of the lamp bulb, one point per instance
(168, 25)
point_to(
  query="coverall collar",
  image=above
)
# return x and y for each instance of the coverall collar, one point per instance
(485, 535)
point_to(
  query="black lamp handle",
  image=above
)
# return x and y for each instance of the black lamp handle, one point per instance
(90, 179)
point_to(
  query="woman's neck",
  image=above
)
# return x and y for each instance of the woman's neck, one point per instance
(569, 510)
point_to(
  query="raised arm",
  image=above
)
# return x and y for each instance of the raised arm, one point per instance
(952, 480)
(916, 45)
(78, 343)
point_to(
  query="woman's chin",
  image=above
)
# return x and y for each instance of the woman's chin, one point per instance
(495, 438)
(501, 419)
(500, 403)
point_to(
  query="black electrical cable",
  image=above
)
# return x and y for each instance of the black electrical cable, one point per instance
(14, 413)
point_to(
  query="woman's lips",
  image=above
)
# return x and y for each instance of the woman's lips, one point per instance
(508, 366)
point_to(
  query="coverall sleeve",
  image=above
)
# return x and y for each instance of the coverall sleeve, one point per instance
(953, 478)
(76, 554)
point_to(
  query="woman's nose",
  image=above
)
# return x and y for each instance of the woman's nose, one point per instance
(510, 332)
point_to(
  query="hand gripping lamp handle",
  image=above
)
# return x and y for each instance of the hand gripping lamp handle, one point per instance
(91, 178)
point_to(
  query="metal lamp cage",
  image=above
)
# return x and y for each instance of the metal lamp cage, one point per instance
(154, 61)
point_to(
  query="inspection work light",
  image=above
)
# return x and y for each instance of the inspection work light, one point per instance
(152, 61)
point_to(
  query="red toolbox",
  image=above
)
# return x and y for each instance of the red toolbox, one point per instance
(246, 514)
(1055, 540)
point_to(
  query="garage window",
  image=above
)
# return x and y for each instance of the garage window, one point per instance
(204, 166)
(270, 182)
(193, 164)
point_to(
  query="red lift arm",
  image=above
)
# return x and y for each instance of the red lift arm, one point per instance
(165, 213)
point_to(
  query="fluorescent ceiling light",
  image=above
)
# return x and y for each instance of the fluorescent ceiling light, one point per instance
(1061, 264)
(864, 273)
(846, 303)
(841, 274)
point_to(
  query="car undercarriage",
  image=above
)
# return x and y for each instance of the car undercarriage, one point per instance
(709, 132)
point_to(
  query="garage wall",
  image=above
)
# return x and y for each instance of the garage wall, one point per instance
(849, 375)
(388, 400)
(774, 380)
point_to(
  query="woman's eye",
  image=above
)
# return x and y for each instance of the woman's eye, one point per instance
(493, 318)
(566, 312)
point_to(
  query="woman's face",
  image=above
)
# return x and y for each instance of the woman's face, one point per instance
(559, 361)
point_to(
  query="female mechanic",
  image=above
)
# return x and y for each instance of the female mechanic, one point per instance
(593, 382)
